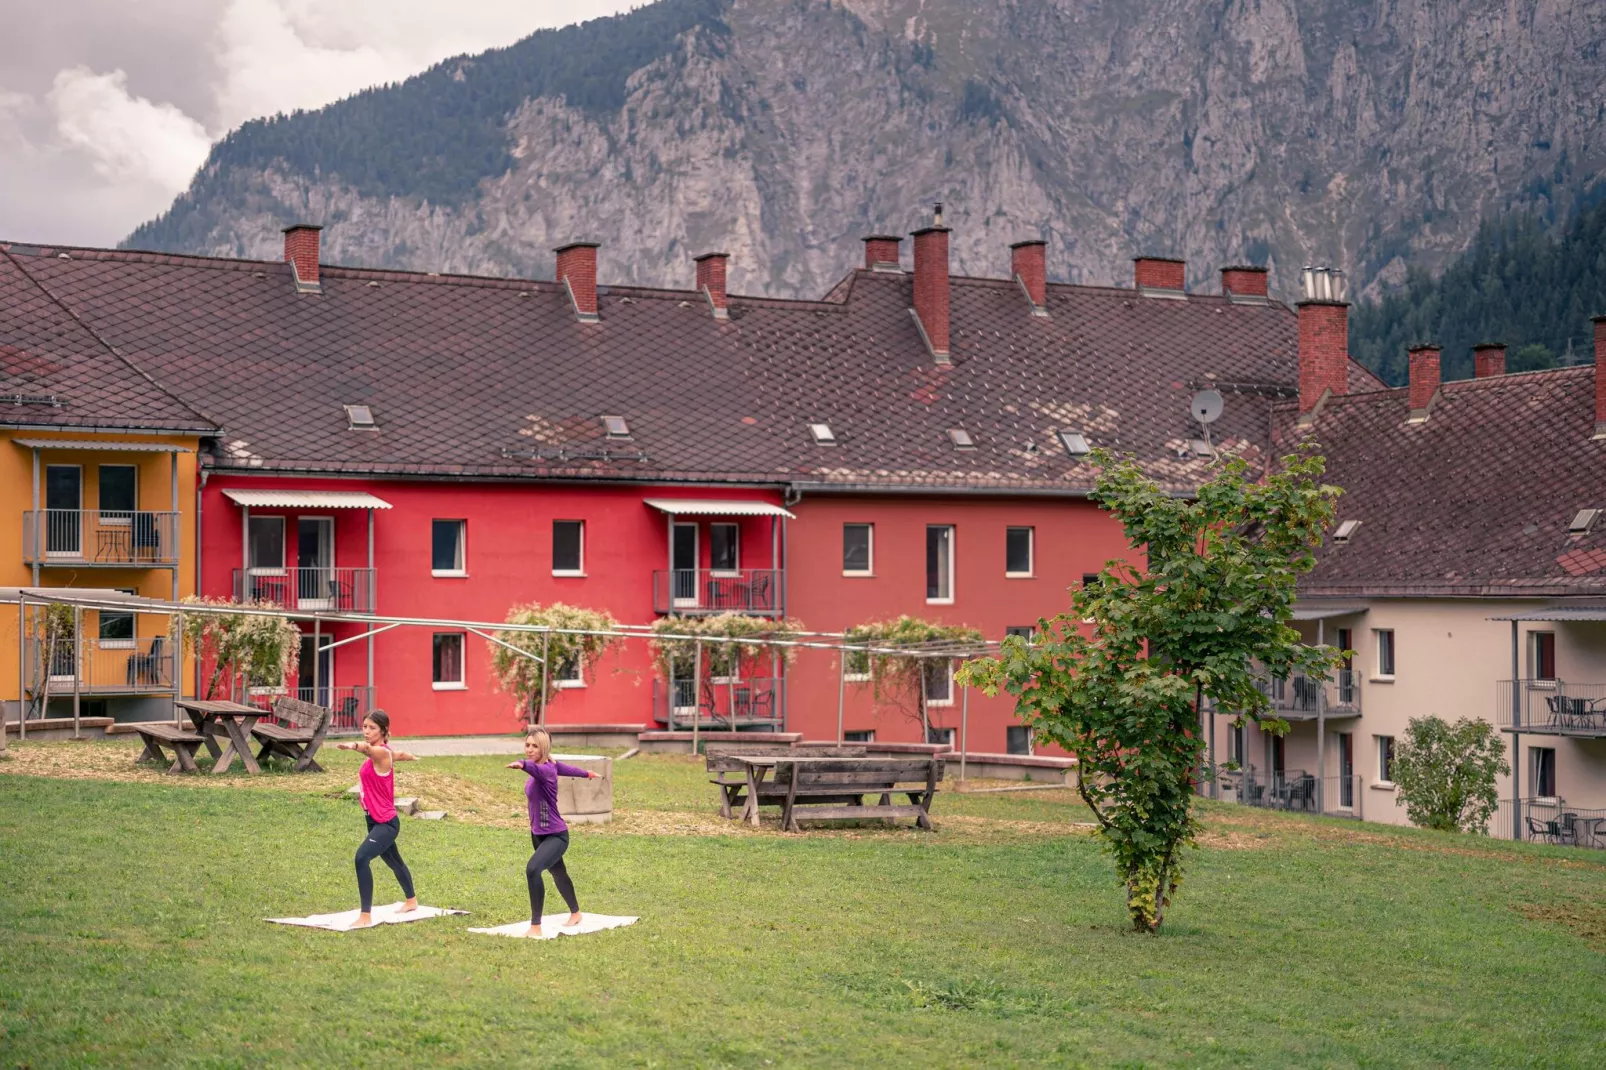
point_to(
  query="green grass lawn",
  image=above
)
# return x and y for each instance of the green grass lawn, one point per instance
(130, 934)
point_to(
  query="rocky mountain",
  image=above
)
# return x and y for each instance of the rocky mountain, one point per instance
(1363, 133)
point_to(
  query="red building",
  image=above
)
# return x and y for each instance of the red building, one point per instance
(449, 447)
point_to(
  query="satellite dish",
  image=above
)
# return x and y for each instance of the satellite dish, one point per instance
(1206, 406)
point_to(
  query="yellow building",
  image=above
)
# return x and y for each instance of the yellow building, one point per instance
(97, 490)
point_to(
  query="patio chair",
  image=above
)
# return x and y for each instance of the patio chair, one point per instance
(758, 592)
(147, 668)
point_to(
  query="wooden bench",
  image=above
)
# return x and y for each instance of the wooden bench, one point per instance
(157, 735)
(299, 744)
(730, 775)
(828, 789)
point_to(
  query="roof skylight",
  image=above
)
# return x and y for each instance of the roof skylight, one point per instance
(823, 435)
(361, 417)
(1583, 521)
(1075, 443)
(961, 439)
(1346, 530)
(617, 427)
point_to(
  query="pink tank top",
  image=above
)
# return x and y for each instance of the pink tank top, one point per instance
(378, 792)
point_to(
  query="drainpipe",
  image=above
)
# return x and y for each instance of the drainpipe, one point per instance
(200, 590)
(1321, 729)
(38, 527)
(178, 530)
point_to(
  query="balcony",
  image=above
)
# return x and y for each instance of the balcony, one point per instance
(312, 590)
(753, 702)
(115, 538)
(1296, 698)
(1548, 819)
(347, 705)
(141, 666)
(1551, 708)
(755, 592)
(1296, 790)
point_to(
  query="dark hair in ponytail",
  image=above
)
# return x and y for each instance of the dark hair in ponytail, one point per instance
(382, 719)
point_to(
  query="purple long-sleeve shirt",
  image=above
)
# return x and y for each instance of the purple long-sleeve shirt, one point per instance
(542, 791)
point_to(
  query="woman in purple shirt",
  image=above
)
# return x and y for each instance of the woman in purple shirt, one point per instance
(548, 833)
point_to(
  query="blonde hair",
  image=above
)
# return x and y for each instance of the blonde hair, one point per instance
(542, 741)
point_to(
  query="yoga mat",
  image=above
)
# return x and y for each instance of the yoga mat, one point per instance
(552, 926)
(385, 915)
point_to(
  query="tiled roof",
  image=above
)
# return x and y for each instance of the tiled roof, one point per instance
(495, 377)
(55, 371)
(1476, 500)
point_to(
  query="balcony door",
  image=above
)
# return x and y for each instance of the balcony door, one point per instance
(64, 497)
(306, 691)
(683, 563)
(1346, 770)
(315, 562)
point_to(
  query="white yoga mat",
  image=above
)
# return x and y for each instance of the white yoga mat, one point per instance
(389, 914)
(552, 926)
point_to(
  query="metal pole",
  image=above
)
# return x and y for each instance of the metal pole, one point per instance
(373, 604)
(540, 711)
(317, 656)
(1321, 729)
(38, 529)
(696, 695)
(964, 728)
(178, 531)
(1516, 737)
(22, 679)
(925, 721)
(78, 667)
(841, 693)
(1215, 780)
(178, 667)
(243, 589)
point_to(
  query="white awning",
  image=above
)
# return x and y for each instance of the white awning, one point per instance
(306, 499)
(1314, 611)
(91, 444)
(700, 507)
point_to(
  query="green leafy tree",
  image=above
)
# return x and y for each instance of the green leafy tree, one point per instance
(1116, 681)
(1446, 773)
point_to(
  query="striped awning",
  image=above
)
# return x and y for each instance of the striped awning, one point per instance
(305, 499)
(700, 507)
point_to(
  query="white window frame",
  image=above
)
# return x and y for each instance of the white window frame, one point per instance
(857, 677)
(461, 683)
(462, 548)
(1031, 738)
(569, 683)
(118, 644)
(1541, 682)
(581, 571)
(932, 703)
(100, 506)
(1533, 772)
(1383, 778)
(1393, 651)
(869, 556)
(953, 540)
(951, 735)
(266, 570)
(736, 543)
(1031, 552)
(859, 735)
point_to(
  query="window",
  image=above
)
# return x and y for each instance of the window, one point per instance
(866, 736)
(1018, 739)
(1385, 652)
(939, 563)
(117, 493)
(448, 661)
(943, 736)
(568, 547)
(857, 664)
(360, 417)
(724, 542)
(1075, 443)
(1018, 551)
(858, 549)
(1025, 631)
(266, 540)
(446, 547)
(1542, 655)
(1385, 759)
(961, 439)
(823, 435)
(567, 673)
(939, 683)
(616, 426)
(117, 629)
(1277, 753)
(1542, 768)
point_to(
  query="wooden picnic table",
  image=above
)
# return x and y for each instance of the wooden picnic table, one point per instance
(234, 721)
(834, 787)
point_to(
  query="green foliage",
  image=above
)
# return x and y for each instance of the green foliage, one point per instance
(437, 135)
(1517, 284)
(733, 636)
(255, 647)
(897, 679)
(1120, 693)
(522, 676)
(1446, 773)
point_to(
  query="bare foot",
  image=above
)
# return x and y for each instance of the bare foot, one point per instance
(409, 906)
(574, 919)
(363, 921)
(535, 931)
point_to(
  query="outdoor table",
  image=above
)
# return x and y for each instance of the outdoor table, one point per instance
(879, 770)
(234, 720)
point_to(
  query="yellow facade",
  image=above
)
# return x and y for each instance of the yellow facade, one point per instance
(149, 551)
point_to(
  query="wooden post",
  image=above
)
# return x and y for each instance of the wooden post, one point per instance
(546, 646)
(696, 693)
(78, 666)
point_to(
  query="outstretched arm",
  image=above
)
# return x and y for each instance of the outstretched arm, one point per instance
(359, 746)
(403, 756)
(565, 769)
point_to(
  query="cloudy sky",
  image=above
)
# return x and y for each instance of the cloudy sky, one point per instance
(107, 107)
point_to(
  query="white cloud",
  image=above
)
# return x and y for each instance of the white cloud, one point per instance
(124, 137)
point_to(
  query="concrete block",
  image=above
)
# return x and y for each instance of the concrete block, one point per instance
(430, 815)
(408, 806)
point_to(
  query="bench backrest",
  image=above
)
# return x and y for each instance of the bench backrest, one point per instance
(720, 756)
(858, 772)
(830, 750)
(306, 715)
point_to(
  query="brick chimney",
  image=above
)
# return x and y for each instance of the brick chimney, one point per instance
(1424, 379)
(577, 269)
(1028, 264)
(931, 286)
(1488, 360)
(881, 252)
(301, 253)
(711, 281)
(1600, 376)
(1159, 273)
(1243, 281)
(1323, 338)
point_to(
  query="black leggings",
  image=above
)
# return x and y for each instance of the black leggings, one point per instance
(549, 855)
(381, 844)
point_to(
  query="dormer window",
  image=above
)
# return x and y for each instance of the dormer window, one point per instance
(361, 417)
(823, 435)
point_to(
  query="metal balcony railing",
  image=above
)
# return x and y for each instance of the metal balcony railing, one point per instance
(1551, 708)
(729, 704)
(752, 591)
(1296, 790)
(99, 537)
(1295, 698)
(347, 705)
(347, 590)
(102, 666)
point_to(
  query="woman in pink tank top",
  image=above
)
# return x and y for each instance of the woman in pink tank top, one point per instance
(377, 780)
